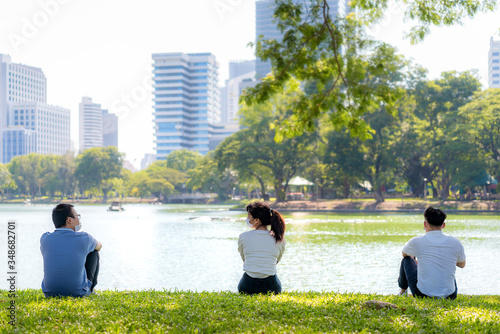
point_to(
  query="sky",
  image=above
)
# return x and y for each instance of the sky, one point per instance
(102, 49)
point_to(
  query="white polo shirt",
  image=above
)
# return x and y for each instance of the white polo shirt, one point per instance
(437, 256)
(260, 253)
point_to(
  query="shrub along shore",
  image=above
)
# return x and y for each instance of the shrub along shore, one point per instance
(229, 312)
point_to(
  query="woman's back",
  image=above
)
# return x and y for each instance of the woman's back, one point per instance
(260, 253)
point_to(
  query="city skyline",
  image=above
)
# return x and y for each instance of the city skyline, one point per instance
(111, 61)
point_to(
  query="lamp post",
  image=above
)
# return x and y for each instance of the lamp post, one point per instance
(425, 188)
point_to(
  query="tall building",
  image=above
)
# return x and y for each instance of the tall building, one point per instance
(23, 107)
(230, 94)
(109, 129)
(494, 64)
(238, 68)
(90, 124)
(17, 141)
(51, 124)
(186, 101)
(266, 27)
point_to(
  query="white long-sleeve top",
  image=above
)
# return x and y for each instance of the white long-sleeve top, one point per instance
(260, 253)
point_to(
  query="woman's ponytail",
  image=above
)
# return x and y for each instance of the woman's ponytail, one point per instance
(277, 225)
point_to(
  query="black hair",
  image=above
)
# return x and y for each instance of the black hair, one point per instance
(61, 213)
(267, 217)
(434, 216)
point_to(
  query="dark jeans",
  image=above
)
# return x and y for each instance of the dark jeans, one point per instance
(92, 267)
(408, 278)
(250, 285)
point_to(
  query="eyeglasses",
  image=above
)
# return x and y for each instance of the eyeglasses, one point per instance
(77, 216)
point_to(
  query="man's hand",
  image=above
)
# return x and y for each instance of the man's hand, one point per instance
(461, 264)
(98, 246)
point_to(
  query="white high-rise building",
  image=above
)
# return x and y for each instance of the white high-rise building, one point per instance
(494, 64)
(90, 124)
(51, 124)
(230, 94)
(266, 27)
(23, 105)
(186, 101)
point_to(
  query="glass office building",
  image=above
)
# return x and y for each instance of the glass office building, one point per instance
(23, 105)
(186, 101)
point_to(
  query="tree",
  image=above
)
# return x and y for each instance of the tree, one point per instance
(339, 57)
(183, 160)
(138, 184)
(481, 124)
(25, 171)
(255, 145)
(66, 173)
(230, 156)
(6, 181)
(437, 117)
(345, 158)
(96, 166)
(208, 178)
(164, 180)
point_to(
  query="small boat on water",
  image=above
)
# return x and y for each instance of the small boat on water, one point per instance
(116, 206)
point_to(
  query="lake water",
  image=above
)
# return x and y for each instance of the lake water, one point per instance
(194, 247)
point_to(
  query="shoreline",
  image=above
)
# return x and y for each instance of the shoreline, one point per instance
(389, 206)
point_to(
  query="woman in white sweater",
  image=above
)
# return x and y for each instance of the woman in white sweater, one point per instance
(261, 249)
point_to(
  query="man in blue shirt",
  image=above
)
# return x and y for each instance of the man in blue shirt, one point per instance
(70, 258)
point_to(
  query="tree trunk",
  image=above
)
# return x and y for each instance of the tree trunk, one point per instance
(280, 191)
(347, 188)
(379, 196)
(262, 187)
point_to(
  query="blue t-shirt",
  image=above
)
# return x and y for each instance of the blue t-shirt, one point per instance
(64, 254)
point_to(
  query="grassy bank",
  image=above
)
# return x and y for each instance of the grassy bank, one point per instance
(227, 312)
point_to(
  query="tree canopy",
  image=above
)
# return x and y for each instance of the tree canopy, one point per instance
(350, 70)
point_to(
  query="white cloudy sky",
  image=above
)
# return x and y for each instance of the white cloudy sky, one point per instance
(102, 49)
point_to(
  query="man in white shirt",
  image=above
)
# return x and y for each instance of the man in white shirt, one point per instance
(429, 261)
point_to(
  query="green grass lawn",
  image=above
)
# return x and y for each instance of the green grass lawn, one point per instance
(227, 312)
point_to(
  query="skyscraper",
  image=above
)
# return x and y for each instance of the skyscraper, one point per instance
(25, 114)
(186, 101)
(241, 67)
(265, 25)
(494, 64)
(109, 129)
(230, 94)
(90, 124)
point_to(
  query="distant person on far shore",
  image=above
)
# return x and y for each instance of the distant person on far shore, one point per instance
(429, 261)
(70, 257)
(261, 249)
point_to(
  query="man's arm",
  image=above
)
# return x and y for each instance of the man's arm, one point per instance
(98, 246)
(461, 264)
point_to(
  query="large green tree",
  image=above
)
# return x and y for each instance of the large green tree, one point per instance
(436, 119)
(254, 147)
(26, 172)
(481, 125)
(208, 178)
(96, 167)
(183, 160)
(338, 56)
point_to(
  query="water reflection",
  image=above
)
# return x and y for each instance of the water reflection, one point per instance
(190, 247)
